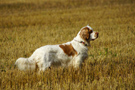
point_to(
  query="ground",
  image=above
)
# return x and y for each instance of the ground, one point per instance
(26, 25)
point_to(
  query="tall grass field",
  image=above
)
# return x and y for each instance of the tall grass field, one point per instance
(26, 25)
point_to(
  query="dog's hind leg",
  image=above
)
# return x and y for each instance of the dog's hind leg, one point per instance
(42, 67)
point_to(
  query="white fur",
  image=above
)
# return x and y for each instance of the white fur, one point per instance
(53, 55)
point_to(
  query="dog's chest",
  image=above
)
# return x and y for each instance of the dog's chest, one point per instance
(83, 56)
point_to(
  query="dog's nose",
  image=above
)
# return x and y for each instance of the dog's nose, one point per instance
(97, 34)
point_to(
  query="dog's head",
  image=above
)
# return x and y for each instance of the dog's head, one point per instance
(87, 34)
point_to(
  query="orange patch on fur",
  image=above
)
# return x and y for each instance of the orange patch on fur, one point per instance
(68, 49)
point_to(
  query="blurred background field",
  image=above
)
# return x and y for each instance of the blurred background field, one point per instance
(26, 25)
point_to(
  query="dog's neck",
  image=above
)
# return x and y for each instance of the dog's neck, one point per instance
(79, 47)
(80, 40)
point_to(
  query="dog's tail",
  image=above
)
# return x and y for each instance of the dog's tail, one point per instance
(25, 64)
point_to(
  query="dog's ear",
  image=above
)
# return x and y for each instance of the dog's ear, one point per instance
(85, 33)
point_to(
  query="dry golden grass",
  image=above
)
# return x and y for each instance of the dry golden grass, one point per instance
(26, 25)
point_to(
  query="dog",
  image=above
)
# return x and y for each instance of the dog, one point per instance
(72, 53)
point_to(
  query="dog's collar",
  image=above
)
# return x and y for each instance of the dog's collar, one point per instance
(81, 42)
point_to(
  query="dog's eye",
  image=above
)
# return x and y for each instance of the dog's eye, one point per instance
(90, 31)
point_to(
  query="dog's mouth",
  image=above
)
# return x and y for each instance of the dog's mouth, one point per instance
(92, 39)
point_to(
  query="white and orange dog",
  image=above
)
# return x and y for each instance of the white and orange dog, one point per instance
(72, 53)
